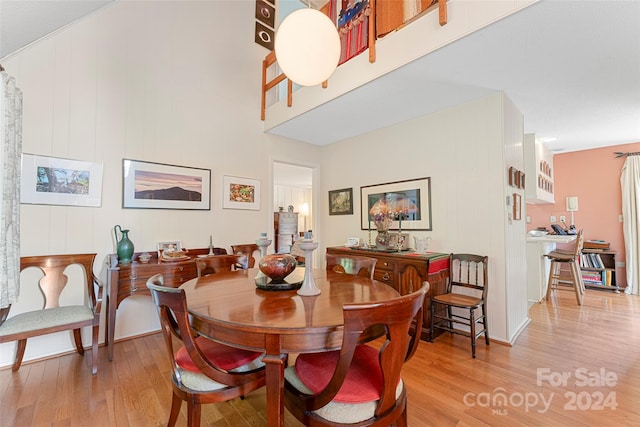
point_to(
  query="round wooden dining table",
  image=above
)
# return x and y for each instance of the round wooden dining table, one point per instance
(230, 308)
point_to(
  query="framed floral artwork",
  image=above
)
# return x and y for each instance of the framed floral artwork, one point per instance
(406, 204)
(240, 193)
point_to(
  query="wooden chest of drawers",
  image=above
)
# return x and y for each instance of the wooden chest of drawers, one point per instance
(405, 271)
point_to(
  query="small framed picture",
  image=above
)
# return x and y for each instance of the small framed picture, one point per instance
(240, 193)
(341, 202)
(169, 247)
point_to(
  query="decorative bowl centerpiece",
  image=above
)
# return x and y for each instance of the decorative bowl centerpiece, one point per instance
(277, 266)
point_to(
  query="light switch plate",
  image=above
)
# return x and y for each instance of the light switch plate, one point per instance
(552, 218)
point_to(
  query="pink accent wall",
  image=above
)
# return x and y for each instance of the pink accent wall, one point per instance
(593, 176)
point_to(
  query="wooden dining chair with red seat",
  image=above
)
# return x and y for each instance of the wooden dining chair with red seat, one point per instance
(356, 265)
(360, 384)
(468, 272)
(55, 315)
(202, 371)
(219, 263)
(247, 249)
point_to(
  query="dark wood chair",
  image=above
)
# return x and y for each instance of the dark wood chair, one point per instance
(219, 263)
(54, 317)
(360, 384)
(247, 249)
(570, 259)
(202, 371)
(468, 272)
(356, 265)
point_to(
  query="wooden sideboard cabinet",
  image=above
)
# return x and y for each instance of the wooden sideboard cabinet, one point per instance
(124, 280)
(405, 272)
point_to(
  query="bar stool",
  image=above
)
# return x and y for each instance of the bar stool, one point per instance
(569, 259)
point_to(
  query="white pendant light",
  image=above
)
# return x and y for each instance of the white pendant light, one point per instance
(307, 47)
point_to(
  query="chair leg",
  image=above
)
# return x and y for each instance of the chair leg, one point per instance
(193, 413)
(78, 339)
(176, 403)
(433, 321)
(575, 275)
(553, 272)
(402, 419)
(485, 324)
(22, 344)
(450, 316)
(472, 323)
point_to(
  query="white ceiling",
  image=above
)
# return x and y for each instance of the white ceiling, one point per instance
(571, 67)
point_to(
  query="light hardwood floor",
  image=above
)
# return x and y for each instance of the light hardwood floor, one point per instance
(596, 347)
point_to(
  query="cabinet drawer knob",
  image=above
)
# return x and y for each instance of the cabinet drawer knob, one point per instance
(180, 268)
(386, 276)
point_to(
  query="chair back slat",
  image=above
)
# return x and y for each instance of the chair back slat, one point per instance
(247, 249)
(219, 263)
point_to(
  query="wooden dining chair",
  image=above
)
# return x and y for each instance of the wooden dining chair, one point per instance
(351, 264)
(202, 371)
(360, 384)
(55, 315)
(465, 293)
(567, 259)
(247, 249)
(219, 263)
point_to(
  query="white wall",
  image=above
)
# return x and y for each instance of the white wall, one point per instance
(465, 150)
(168, 82)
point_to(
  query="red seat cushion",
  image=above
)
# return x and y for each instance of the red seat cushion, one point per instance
(221, 355)
(363, 382)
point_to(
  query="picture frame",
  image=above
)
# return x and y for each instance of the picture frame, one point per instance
(47, 180)
(240, 193)
(411, 197)
(517, 206)
(341, 202)
(149, 185)
(174, 245)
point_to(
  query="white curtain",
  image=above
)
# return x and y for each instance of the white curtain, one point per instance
(630, 181)
(11, 131)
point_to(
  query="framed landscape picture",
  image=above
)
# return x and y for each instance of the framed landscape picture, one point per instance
(240, 193)
(341, 202)
(147, 185)
(56, 181)
(410, 198)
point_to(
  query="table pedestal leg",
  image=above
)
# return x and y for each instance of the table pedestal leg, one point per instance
(274, 371)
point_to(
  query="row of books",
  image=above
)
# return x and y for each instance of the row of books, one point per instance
(591, 260)
(601, 278)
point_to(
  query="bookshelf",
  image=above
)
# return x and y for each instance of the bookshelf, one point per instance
(598, 268)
